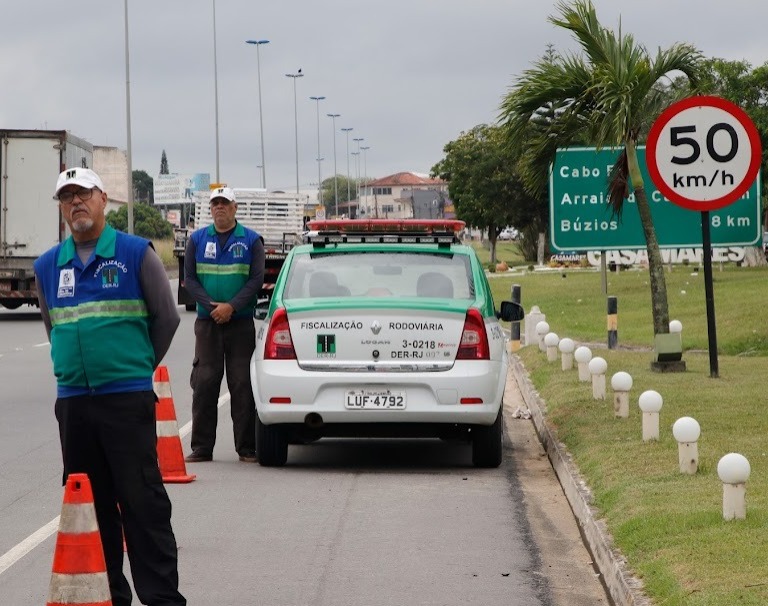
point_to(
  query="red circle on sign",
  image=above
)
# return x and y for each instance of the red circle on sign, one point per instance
(663, 120)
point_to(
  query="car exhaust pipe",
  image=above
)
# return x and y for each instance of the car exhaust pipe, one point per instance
(313, 420)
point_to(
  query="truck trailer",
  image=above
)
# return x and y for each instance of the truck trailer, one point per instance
(30, 220)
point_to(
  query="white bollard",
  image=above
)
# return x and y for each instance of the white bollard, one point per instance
(566, 347)
(687, 431)
(621, 382)
(583, 355)
(734, 470)
(550, 341)
(542, 328)
(650, 403)
(532, 318)
(597, 368)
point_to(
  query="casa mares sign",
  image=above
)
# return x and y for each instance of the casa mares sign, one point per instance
(581, 219)
(674, 256)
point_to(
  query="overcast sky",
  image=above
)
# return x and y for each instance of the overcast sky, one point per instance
(408, 77)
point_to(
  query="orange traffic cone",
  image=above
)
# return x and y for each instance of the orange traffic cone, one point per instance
(79, 570)
(169, 453)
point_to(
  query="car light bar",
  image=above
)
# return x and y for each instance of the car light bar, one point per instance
(387, 225)
(384, 231)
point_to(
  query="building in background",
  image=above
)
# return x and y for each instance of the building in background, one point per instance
(111, 164)
(401, 196)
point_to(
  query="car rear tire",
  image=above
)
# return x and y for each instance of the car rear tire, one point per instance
(487, 443)
(190, 306)
(271, 444)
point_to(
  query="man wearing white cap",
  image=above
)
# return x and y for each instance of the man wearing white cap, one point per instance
(110, 316)
(224, 272)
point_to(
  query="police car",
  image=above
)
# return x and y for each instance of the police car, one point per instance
(381, 328)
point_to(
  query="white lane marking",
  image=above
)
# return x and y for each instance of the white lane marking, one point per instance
(9, 558)
(15, 553)
(46, 344)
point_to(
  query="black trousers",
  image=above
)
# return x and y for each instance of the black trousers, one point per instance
(220, 346)
(112, 438)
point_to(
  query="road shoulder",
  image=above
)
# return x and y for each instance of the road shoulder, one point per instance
(623, 588)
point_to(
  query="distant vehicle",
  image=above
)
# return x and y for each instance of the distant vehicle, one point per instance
(381, 328)
(30, 220)
(508, 233)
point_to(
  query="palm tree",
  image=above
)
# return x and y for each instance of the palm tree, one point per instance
(608, 96)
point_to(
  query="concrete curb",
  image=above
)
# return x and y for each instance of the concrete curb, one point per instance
(624, 589)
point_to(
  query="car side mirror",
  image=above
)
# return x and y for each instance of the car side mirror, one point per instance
(511, 312)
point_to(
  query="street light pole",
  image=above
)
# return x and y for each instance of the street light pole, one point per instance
(335, 171)
(215, 90)
(319, 178)
(357, 175)
(258, 43)
(365, 173)
(129, 199)
(296, 123)
(357, 184)
(349, 193)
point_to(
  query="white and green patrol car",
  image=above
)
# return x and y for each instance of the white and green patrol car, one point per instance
(381, 328)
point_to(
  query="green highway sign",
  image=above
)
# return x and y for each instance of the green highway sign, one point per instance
(581, 219)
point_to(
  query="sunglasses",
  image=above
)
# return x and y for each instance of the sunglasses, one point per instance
(220, 201)
(66, 197)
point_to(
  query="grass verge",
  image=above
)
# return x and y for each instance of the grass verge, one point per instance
(668, 525)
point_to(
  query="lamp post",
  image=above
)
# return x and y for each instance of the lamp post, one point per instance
(319, 178)
(129, 193)
(296, 123)
(349, 194)
(357, 169)
(258, 43)
(335, 171)
(215, 91)
(365, 173)
(357, 175)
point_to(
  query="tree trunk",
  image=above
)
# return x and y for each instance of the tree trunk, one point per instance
(540, 248)
(659, 303)
(754, 257)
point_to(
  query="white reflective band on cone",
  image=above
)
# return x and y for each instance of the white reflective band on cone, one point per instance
(163, 390)
(167, 429)
(91, 588)
(78, 518)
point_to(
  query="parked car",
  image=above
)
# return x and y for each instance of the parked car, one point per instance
(381, 328)
(508, 233)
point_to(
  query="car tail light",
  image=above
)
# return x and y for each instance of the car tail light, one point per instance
(279, 345)
(474, 339)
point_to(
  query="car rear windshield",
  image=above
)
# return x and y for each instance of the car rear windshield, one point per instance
(379, 274)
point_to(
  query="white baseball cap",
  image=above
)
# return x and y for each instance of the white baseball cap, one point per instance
(84, 177)
(223, 192)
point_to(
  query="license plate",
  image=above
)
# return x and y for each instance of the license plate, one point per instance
(374, 399)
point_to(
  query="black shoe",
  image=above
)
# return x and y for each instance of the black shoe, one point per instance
(198, 457)
(249, 457)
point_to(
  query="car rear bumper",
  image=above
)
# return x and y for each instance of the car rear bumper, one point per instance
(431, 397)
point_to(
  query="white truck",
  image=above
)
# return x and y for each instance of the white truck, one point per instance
(277, 216)
(30, 221)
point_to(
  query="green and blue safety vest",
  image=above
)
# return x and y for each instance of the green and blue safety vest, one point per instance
(100, 339)
(222, 273)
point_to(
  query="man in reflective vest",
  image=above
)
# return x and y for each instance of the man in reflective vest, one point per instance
(223, 271)
(110, 316)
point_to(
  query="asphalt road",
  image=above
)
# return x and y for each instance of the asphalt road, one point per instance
(372, 522)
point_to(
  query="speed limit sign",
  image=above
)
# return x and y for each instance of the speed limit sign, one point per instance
(703, 153)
